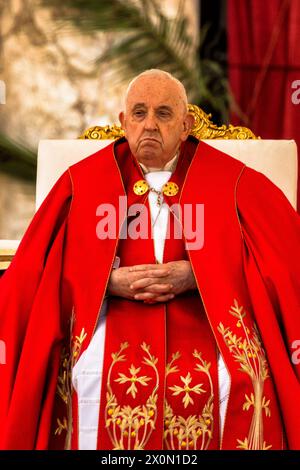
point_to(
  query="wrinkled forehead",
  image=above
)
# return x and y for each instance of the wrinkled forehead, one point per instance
(156, 92)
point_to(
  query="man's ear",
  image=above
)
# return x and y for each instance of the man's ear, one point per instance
(189, 121)
(122, 119)
(188, 124)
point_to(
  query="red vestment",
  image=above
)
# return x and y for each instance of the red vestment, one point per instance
(247, 273)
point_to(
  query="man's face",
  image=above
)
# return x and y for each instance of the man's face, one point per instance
(155, 121)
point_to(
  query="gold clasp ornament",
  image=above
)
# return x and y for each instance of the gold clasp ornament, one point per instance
(140, 187)
(170, 189)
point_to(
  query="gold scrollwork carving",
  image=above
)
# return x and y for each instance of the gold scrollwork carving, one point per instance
(103, 133)
(203, 128)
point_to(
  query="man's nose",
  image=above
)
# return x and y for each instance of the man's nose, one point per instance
(150, 122)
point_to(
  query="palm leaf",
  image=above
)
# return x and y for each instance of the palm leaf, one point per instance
(17, 159)
(152, 40)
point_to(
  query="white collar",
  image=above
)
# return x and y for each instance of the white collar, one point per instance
(169, 166)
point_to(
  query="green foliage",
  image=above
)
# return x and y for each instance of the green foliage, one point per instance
(151, 40)
(17, 159)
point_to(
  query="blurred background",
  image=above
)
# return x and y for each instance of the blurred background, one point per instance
(64, 67)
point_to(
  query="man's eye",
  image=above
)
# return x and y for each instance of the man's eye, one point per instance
(164, 114)
(139, 113)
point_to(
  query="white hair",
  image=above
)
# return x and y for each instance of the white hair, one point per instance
(159, 73)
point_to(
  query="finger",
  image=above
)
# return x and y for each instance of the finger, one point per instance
(141, 283)
(159, 288)
(144, 282)
(160, 298)
(145, 267)
(148, 276)
(149, 295)
(164, 298)
(144, 296)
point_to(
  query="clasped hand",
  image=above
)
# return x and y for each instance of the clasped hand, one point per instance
(152, 283)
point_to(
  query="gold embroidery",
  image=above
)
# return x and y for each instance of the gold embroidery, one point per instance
(64, 384)
(130, 428)
(194, 432)
(187, 399)
(133, 380)
(245, 445)
(247, 350)
(62, 426)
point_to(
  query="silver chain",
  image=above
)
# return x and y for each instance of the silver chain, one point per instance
(159, 196)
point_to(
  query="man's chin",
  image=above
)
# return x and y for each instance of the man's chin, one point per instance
(148, 154)
(150, 145)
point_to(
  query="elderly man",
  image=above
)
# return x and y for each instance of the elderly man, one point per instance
(154, 300)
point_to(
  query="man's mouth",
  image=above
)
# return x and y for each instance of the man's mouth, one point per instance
(149, 139)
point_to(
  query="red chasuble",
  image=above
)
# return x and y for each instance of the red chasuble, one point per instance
(248, 280)
(160, 381)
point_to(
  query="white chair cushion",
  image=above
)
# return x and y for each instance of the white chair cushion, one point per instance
(55, 156)
(276, 159)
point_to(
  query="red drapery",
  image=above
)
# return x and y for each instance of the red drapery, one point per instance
(264, 65)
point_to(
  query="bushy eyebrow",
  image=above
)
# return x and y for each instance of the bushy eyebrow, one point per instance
(165, 108)
(138, 105)
(159, 108)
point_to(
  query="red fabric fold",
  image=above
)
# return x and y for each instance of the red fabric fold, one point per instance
(263, 64)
